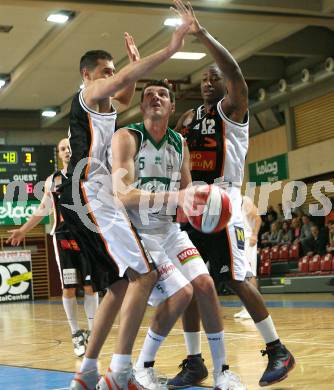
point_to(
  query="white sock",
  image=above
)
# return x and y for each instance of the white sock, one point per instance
(267, 329)
(88, 364)
(193, 342)
(91, 303)
(120, 362)
(150, 348)
(217, 347)
(70, 307)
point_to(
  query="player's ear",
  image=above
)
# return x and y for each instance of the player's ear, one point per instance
(173, 107)
(85, 74)
(141, 107)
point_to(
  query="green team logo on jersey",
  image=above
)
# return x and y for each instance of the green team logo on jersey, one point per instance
(157, 160)
(154, 184)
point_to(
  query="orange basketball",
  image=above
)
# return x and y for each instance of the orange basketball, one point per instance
(214, 208)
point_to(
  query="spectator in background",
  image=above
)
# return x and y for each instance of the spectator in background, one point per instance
(330, 217)
(287, 235)
(296, 229)
(306, 228)
(330, 246)
(275, 235)
(264, 229)
(317, 243)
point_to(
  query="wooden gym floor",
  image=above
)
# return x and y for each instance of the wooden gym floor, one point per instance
(36, 351)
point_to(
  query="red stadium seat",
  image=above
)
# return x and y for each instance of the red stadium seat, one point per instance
(265, 255)
(294, 252)
(314, 264)
(326, 263)
(265, 269)
(283, 253)
(303, 265)
(274, 253)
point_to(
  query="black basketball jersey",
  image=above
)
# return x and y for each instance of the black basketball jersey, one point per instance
(205, 139)
(217, 146)
(90, 135)
(57, 180)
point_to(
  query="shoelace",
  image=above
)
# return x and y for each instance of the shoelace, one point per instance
(78, 340)
(156, 377)
(183, 365)
(233, 378)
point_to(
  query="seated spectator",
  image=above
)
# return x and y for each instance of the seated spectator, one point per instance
(330, 216)
(296, 229)
(264, 228)
(317, 243)
(287, 235)
(330, 246)
(275, 235)
(305, 233)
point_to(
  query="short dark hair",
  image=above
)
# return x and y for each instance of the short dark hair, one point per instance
(90, 58)
(159, 83)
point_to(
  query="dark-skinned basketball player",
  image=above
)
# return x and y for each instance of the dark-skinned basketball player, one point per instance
(217, 137)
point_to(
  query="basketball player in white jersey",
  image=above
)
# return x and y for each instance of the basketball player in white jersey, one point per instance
(111, 245)
(217, 137)
(252, 224)
(67, 253)
(157, 159)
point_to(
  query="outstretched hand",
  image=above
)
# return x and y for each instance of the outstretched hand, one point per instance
(15, 238)
(131, 48)
(186, 12)
(177, 40)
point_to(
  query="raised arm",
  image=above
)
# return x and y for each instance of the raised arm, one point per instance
(125, 95)
(103, 88)
(44, 209)
(235, 104)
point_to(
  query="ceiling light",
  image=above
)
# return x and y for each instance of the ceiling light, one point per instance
(4, 79)
(49, 113)
(173, 22)
(185, 55)
(60, 17)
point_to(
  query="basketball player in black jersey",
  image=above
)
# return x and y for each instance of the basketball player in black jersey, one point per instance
(72, 267)
(217, 137)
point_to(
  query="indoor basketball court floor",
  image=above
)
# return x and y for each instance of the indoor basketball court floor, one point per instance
(36, 351)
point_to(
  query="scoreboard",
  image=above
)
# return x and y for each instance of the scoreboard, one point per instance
(28, 164)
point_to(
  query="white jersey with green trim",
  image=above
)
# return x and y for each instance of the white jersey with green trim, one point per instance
(157, 169)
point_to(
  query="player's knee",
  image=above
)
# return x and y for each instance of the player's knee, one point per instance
(204, 285)
(238, 286)
(69, 292)
(187, 294)
(88, 290)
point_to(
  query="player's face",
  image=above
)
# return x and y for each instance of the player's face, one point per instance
(64, 151)
(103, 70)
(212, 85)
(156, 102)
